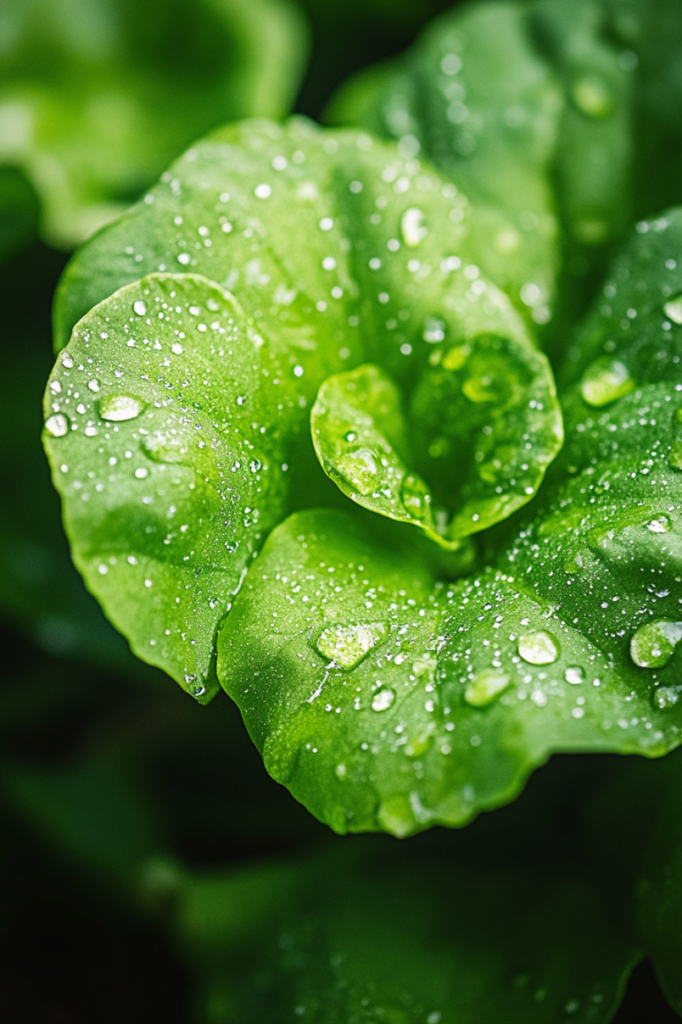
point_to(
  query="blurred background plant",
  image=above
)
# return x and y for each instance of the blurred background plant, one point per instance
(151, 869)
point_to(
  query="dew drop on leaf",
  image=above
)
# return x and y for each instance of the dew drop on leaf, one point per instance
(673, 309)
(434, 330)
(653, 645)
(413, 228)
(415, 497)
(539, 648)
(57, 425)
(659, 525)
(574, 674)
(346, 646)
(361, 470)
(666, 697)
(139, 307)
(118, 408)
(383, 700)
(605, 381)
(486, 687)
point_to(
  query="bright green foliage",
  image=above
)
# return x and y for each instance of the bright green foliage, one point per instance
(311, 310)
(97, 97)
(493, 135)
(385, 695)
(415, 934)
(541, 142)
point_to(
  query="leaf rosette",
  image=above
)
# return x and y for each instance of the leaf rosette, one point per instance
(290, 414)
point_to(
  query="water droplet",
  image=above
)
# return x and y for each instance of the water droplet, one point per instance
(139, 307)
(434, 330)
(413, 227)
(659, 525)
(666, 696)
(593, 96)
(119, 408)
(486, 687)
(673, 310)
(262, 191)
(141, 473)
(346, 646)
(93, 384)
(653, 645)
(539, 648)
(605, 381)
(350, 436)
(574, 674)
(415, 496)
(383, 700)
(57, 425)
(361, 470)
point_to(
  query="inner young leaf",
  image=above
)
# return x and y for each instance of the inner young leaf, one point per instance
(483, 425)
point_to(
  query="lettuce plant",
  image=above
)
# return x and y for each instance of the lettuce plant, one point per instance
(310, 450)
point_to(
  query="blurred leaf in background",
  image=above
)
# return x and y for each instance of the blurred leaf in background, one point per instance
(98, 96)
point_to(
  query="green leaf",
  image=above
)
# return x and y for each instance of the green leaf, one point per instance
(593, 157)
(97, 97)
(166, 421)
(402, 935)
(544, 141)
(493, 135)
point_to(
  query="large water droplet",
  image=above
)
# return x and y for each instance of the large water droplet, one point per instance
(653, 645)
(346, 646)
(486, 687)
(659, 525)
(574, 674)
(361, 470)
(605, 381)
(57, 425)
(119, 407)
(593, 96)
(415, 497)
(539, 648)
(383, 700)
(163, 447)
(139, 307)
(673, 309)
(434, 330)
(413, 227)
